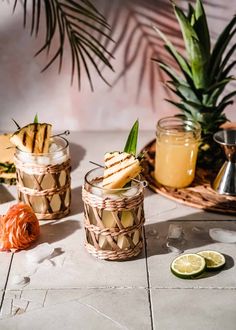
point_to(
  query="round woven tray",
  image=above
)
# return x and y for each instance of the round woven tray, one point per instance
(199, 194)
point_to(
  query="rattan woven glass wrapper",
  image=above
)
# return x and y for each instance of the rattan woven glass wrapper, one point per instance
(47, 190)
(116, 242)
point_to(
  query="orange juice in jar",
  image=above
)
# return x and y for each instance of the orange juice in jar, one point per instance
(176, 151)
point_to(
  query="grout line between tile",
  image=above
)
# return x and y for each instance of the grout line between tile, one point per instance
(148, 280)
(27, 288)
(194, 288)
(5, 286)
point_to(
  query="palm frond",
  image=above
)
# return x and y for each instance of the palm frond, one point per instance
(77, 23)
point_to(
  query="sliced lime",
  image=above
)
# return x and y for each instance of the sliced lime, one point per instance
(189, 265)
(214, 260)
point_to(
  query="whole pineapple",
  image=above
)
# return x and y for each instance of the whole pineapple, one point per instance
(204, 75)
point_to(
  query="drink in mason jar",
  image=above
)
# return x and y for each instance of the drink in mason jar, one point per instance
(176, 151)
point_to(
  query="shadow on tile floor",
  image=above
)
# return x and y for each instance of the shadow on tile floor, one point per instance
(58, 230)
(77, 154)
(76, 201)
(195, 235)
(5, 195)
(229, 263)
(196, 232)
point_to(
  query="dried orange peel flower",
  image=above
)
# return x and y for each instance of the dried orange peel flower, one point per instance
(19, 228)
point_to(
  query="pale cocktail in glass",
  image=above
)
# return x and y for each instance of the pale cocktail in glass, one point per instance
(114, 218)
(43, 180)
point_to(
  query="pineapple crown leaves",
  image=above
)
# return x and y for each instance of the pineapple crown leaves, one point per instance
(216, 64)
(131, 143)
(196, 41)
(178, 58)
(201, 27)
(204, 74)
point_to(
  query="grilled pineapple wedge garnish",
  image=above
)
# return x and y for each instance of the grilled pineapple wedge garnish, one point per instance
(33, 138)
(120, 168)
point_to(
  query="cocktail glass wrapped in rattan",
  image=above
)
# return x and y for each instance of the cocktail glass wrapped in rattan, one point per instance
(43, 180)
(113, 218)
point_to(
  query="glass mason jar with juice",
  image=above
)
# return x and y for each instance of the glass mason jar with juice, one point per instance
(177, 141)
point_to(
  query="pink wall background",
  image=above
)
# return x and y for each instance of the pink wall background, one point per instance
(25, 91)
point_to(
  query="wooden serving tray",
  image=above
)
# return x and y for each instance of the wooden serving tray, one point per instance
(199, 194)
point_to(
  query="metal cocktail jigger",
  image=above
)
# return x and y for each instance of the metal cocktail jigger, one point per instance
(225, 182)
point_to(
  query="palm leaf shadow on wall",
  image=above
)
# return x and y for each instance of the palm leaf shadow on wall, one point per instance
(131, 24)
(72, 24)
(80, 24)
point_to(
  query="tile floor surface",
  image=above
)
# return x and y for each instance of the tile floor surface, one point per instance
(72, 290)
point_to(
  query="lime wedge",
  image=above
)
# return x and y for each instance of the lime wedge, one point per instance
(214, 260)
(189, 265)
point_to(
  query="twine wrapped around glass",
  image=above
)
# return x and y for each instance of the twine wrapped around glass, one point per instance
(113, 218)
(43, 180)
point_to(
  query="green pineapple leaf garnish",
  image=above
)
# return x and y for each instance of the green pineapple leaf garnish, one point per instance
(131, 143)
(36, 119)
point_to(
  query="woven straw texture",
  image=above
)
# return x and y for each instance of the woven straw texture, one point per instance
(47, 202)
(199, 194)
(94, 207)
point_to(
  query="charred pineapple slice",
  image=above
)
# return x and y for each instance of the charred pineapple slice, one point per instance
(120, 168)
(33, 138)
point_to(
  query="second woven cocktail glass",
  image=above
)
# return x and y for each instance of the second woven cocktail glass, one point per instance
(113, 218)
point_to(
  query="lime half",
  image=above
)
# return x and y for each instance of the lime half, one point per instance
(188, 265)
(214, 260)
